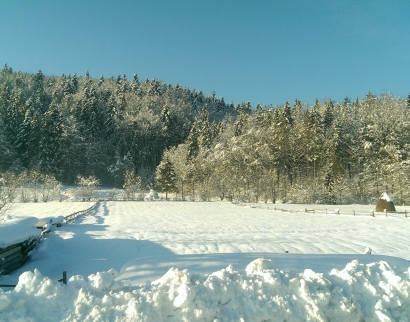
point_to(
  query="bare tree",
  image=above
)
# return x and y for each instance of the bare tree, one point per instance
(87, 186)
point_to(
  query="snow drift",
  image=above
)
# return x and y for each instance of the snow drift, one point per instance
(373, 292)
(17, 230)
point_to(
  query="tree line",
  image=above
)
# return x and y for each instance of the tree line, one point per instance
(136, 134)
(331, 152)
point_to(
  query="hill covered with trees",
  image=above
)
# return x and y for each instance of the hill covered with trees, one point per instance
(71, 125)
(124, 132)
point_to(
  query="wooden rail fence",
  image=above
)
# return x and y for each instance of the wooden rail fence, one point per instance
(398, 214)
(14, 256)
(74, 215)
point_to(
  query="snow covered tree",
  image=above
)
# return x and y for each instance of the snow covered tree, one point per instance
(131, 184)
(49, 188)
(287, 110)
(408, 101)
(135, 84)
(205, 136)
(8, 155)
(50, 152)
(328, 115)
(166, 177)
(87, 186)
(193, 141)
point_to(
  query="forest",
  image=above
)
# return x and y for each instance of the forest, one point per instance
(149, 134)
(72, 125)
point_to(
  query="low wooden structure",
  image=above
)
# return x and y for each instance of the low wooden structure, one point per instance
(14, 256)
(385, 203)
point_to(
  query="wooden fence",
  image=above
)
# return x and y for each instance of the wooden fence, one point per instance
(14, 256)
(398, 214)
(74, 215)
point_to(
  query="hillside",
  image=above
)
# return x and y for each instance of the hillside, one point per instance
(72, 125)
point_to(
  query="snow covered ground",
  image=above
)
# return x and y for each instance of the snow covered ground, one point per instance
(197, 261)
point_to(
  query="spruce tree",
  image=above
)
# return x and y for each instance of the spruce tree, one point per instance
(193, 141)
(166, 177)
(51, 141)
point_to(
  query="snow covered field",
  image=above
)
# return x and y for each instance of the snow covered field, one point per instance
(323, 276)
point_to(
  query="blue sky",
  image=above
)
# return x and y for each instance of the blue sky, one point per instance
(259, 51)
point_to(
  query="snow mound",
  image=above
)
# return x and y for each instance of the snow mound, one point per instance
(386, 197)
(259, 265)
(17, 230)
(373, 292)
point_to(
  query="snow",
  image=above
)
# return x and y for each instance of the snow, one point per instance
(14, 231)
(194, 261)
(24, 218)
(386, 197)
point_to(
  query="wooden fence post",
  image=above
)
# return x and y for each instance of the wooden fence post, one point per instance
(372, 212)
(64, 278)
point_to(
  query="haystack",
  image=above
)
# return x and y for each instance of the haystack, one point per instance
(385, 203)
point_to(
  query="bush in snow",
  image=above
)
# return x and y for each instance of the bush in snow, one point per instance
(131, 184)
(86, 186)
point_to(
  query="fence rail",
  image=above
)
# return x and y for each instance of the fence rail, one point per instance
(397, 214)
(14, 256)
(74, 215)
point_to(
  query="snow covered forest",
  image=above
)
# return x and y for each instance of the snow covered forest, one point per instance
(152, 134)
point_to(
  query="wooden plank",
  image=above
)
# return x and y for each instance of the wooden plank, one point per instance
(11, 257)
(12, 263)
(10, 251)
(10, 268)
(30, 247)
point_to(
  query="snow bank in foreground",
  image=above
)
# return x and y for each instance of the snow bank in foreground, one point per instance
(17, 230)
(373, 292)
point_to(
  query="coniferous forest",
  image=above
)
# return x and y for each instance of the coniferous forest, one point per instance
(197, 147)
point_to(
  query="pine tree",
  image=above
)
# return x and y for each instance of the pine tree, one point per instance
(5, 99)
(193, 141)
(240, 122)
(205, 136)
(110, 118)
(135, 84)
(288, 113)
(314, 137)
(166, 177)
(328, 115)
(51, 141)
(74, 84)
(8, 155)
(24, 138)
(40, 98)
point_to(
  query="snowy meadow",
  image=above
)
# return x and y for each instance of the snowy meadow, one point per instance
(212, 261)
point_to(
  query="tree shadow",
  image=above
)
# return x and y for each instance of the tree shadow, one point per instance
(80, 250)
(152, 267)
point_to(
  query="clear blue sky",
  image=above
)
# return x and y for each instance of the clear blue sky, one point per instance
(259, 51)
